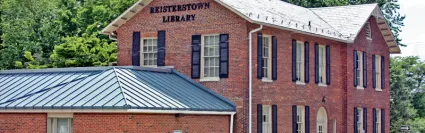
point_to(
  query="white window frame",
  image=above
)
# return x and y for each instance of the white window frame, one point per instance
(267, 119)
(360, 120)
(268, 58)
(177, 131)
(300, 63)
(368, 31)
(360, 70)
(52, 118)
(322, 65)
(142, 58)
(378, 73)
(378, 121)
(301, 119)
(203, 78)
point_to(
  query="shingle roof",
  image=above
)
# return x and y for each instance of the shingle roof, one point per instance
(336, 23)
(346, 19)
(106, 88)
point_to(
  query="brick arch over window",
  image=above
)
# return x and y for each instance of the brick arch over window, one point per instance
(322, 121)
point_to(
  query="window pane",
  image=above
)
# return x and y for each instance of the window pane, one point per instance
(62, 126)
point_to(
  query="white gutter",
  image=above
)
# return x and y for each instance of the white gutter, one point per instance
(231, 123)
(250, 76)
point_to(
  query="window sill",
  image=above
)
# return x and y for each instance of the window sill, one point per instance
(300, 83)
(367, 38)
(322, 85)
(379, 90)
(267, 80)
(209, 79)
(360, 88)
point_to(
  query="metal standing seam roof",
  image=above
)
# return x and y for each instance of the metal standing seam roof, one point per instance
(106, 88)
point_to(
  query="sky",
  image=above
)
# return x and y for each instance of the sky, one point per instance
(413, 33)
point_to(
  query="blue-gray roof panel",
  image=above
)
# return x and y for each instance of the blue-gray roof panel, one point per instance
(106, 88)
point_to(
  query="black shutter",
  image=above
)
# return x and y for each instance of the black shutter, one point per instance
(316, 63)
(374, 121)
(274, 58)
(328, 65)
(259, 118)
(260, 63)
(135, 55)
(224, 56)
(382, 72)
(364, 70)
(382, 121)
(307, 119)
(355, 68)
(161, 48)
(355, 120)
(294, 119)
(365, 120)
(307, 62)
(374, 71)
(196, 56)
(274, 118)
(294, 60)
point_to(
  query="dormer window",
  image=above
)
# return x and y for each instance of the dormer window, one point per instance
(368, 31)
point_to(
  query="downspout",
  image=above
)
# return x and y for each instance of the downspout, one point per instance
(231, 122)
(250, 75)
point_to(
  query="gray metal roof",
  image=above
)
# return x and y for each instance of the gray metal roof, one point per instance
(106, 88)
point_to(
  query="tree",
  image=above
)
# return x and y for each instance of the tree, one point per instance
(27, 27)
(389, 9)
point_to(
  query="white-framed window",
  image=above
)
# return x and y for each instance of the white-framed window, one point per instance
(267, 119)
(210, 60)
(59, 123)
(300, 62)
(359, 69)
(267, 57)
(322, 64)
(378, 72)
(368, 31)
(378, 121)
(300, 119)
(178, 131)
(359, 120)
(149, 52)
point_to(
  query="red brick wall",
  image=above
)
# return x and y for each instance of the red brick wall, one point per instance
(23, 123)
(368, 98)
(282, 92)
(149, 123)
(215, 20)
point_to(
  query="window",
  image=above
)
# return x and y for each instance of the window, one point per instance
(267, 121)
(267, 57)
(359, 71)
(210, 56)
(300, 119)
(300, 62)
(178, 131)
(149, 52)
(322, 121)
(378, 121)
(322, 64)
(378, 72)
(59, 123)
(368, 31)
(360, 120)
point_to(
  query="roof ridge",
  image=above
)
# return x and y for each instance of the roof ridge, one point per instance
(205, 89)
(343, 6)
(121, 89)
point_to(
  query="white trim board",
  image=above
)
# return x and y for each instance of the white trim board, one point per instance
(143, 111)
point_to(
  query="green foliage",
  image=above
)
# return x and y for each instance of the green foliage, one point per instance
(84, 51)
(408, 99)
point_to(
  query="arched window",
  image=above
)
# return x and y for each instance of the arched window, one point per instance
(322, 121)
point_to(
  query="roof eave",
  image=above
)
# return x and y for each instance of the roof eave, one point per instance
(124, 17)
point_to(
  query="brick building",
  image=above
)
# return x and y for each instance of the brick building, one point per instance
(284, 68)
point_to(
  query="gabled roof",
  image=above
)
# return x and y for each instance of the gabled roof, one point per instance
(106, 88)
(320, 22)
(349, 20)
